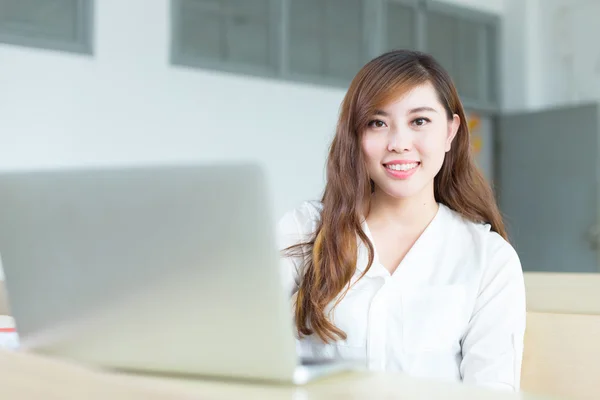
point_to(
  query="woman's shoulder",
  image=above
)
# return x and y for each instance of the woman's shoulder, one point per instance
(489, 246)
(298, 224)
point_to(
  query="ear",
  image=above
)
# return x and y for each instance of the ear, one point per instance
(452, 131)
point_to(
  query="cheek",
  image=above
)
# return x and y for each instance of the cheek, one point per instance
(372, 148)
(431, 146)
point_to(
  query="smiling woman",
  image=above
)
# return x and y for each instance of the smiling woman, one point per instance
(404, 263)
(408, 138)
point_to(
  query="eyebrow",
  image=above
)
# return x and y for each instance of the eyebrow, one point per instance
(413, 111)
(421, 109)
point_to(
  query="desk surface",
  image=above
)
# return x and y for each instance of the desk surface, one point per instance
(29, 376)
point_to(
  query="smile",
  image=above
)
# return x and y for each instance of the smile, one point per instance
(402, 167)
(401, 170)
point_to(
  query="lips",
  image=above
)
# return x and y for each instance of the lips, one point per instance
(401, 169)
(405, 166)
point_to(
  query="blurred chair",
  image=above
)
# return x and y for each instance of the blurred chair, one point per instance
(567, 293)
(562, 342)
(562, 355)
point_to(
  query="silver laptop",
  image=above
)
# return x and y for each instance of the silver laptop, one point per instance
(164, 270)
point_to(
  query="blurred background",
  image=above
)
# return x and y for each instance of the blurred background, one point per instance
(108, 82)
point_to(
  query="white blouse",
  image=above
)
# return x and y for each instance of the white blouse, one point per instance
(453, 310)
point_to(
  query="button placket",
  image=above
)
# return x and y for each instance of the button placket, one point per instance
(377, 328)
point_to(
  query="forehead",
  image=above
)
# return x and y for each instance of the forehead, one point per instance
(419, 96)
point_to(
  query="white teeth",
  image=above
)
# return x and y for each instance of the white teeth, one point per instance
(402, 167)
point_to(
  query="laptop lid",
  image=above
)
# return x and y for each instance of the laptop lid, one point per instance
(167, 269)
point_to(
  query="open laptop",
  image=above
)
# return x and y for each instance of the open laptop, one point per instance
(164, 270)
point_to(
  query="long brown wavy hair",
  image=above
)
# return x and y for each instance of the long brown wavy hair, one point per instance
(331, 255)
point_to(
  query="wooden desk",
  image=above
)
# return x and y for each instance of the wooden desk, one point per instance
(26, 376)
(31, 376)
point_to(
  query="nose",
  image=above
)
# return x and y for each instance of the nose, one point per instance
(399, 141)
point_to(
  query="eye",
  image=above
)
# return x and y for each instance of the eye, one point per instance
(377, 123)
(421, 121)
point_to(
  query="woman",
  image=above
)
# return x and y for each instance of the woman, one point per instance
(405, 263)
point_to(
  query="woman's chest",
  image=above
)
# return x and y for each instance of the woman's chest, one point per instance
(388, 322)
(421, 318)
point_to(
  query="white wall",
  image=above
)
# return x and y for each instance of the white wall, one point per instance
(128, 105)
(570, 52)
(514, 56)
(550, 53)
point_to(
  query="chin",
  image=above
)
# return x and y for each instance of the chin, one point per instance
(402, 192)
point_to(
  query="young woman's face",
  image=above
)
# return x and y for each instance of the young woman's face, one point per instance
(406, 141)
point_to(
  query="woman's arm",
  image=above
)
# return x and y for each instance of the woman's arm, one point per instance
(288, 234)
(492, 347)
(296, 226)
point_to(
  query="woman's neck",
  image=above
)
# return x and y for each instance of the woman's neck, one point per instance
(411, 213)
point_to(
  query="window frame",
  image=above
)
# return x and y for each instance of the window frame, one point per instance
(373, 44)
(179, 58)
(366, 47)
(489, 94)
(83, 43)
(418, 32)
